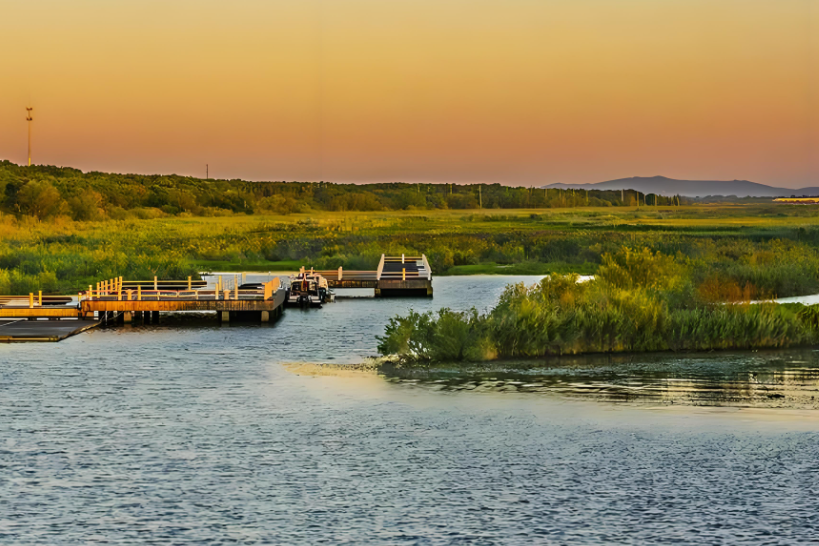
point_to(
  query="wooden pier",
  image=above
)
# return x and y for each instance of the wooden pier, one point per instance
(33, 317)
(110, 301)
(265, 303)
(399, 276)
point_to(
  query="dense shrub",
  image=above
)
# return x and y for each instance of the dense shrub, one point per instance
(640, 301)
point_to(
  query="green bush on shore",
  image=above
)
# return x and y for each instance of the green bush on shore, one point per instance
(639, 301)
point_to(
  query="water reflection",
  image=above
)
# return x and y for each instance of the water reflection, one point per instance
(786, 379)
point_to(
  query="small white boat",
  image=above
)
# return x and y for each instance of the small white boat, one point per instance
(307, 289)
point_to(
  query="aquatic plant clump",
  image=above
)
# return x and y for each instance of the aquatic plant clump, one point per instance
(639, 301)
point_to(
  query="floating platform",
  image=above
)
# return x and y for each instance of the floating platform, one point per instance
(24, 330)
(111, 302)
(126, 305)
(117, 301)
(396, 276)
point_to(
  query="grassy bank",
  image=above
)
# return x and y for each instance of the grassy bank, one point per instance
(771, 249)
(639, 301)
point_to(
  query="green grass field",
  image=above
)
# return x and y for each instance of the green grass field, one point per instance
(62, 255)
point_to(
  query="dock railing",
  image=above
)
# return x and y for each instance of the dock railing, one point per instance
(380, 268)
(113, 291)
(427, 267)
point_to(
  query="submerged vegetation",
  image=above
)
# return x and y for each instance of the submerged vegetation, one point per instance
(639, 301)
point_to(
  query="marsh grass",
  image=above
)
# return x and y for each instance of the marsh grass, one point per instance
(639, 301)
(773, 248)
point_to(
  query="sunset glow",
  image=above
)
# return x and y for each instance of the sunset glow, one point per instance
(518, 91)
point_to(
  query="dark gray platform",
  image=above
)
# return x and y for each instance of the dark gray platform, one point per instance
(13, 330)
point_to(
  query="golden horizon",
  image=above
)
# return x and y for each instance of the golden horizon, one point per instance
(519, 92)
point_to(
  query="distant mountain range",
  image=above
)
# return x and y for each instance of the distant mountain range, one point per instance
(691, 188)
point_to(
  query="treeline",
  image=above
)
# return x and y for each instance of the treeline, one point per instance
(638, 301)
(46, 192)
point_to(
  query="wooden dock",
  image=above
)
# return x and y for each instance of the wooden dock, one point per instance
(396, 276)
(111, 301)
(38, 317)
(265, 303)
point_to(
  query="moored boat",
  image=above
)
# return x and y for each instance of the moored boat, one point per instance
(307, 289)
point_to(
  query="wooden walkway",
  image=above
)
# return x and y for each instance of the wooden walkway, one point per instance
(266, 302)
(119, 300)
(111, 300)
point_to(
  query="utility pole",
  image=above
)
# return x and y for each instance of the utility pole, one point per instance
(29, 119)
(480, 198)
(207, 173)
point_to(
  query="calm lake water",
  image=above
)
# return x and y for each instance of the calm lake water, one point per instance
(189, 433)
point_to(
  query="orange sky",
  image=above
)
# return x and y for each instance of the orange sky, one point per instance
(513, 91)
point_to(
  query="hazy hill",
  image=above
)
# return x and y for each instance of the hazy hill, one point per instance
(691, 188)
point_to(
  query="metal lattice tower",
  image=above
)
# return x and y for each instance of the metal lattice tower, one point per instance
(29, 119)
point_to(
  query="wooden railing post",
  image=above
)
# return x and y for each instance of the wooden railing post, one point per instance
(139, 292)
(90, 292)
(155, 284)
(189, 282)
(30, 300)
(380, 269)
(403, 273)
(40, 298)
(339, 273)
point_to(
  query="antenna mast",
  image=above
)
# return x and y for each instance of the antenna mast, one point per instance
(29, 119)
